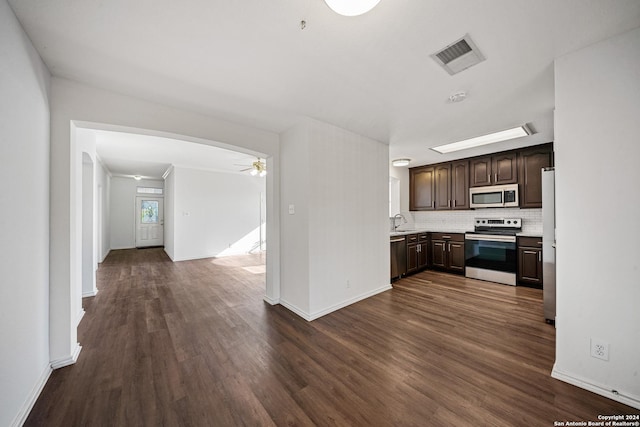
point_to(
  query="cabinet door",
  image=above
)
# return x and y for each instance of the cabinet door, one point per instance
(460, 185)
(480, 171)
(422, 255)
(422, 189)
(438, 253)
(530, 166)
(456, 257)
(443, 187)
(530, 266)
(412, 258)
(505, 168)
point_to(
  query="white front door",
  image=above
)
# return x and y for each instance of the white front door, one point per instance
(149, 221)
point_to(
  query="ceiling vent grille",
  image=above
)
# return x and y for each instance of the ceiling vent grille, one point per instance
(459, 55)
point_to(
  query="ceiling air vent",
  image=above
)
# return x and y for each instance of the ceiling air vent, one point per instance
(459, 55)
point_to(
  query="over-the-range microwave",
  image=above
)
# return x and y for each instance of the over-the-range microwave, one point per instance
(494, 196)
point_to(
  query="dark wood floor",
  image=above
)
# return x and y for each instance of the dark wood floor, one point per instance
(193, 344)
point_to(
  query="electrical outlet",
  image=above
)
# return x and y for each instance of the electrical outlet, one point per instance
(599, 349)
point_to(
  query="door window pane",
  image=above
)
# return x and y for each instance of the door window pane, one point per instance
(149, 212)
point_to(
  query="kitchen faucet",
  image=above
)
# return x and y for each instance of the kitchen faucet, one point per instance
(395, 227)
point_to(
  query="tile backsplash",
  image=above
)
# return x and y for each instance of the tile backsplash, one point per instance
(461, 221)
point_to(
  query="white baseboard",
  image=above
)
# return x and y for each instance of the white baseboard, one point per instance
(296, 310)
(271, 301)
(602, 390)
(90, 294)
(313, 316)
(121, 248)
(105, 256)
(350, 301)
(22, 415)
(80, 316)
(66, 361)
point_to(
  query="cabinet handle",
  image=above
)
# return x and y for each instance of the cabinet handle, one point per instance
(489, 178)
(449, 203)
(434, 204)
(454, 203)
(443, 245)
(449, 248)
(539, 243)
(495, 177)
(419, 247)
(539, 256)
(446, 237)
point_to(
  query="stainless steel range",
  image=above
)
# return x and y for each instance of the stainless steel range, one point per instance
(490, 250)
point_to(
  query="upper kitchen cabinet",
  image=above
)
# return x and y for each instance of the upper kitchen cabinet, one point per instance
(501, 168)
(532, 160)
(447, 184)
(422, 188)
(443, 186)
(460, 184)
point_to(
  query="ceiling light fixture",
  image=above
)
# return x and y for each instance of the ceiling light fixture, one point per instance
(351, 7)
(491, 138)
(137, 177)
(458, 96)
(400, 162)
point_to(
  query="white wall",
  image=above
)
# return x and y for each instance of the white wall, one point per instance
(24, 221)
(597, 209)
(169, 216)
(103, 214)
(123, 209)
(77, 104)
(294, 226)
(214, 214)
(336, 242)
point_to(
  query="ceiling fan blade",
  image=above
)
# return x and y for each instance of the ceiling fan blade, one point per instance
(244, 170)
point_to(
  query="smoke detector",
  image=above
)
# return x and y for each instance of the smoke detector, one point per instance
(459, 55)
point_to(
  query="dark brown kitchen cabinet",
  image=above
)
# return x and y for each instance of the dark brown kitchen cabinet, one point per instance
(452, 185)
(500, 168)
(447, 252)
(416, 252)
(460, 184)
(530, 261)
(443, 186)
(531, 161)
(422, 188)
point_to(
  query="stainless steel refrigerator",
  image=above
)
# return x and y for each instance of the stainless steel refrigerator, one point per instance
(549, 244)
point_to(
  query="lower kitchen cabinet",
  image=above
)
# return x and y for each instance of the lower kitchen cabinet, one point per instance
(530, 261)
(447, 252)
(416, 252)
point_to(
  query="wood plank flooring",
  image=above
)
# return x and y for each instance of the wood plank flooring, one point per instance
(193, 344)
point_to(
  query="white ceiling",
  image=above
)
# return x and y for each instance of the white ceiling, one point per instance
(127, 154)
(250, 62)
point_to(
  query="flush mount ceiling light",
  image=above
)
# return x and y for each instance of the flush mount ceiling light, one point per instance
(351, 7)
(400, 162)
(137, 177)
(458, 96)
(491, 138)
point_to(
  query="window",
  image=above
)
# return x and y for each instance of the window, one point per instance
(149, 190)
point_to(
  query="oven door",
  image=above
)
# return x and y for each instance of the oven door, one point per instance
(491, 257)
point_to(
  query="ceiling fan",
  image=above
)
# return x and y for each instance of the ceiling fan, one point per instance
(257, 168)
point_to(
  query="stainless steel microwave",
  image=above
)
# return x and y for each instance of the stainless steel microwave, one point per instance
(494, 196)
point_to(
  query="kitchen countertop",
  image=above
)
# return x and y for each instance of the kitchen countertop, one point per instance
(420, 230)
(423, 230)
